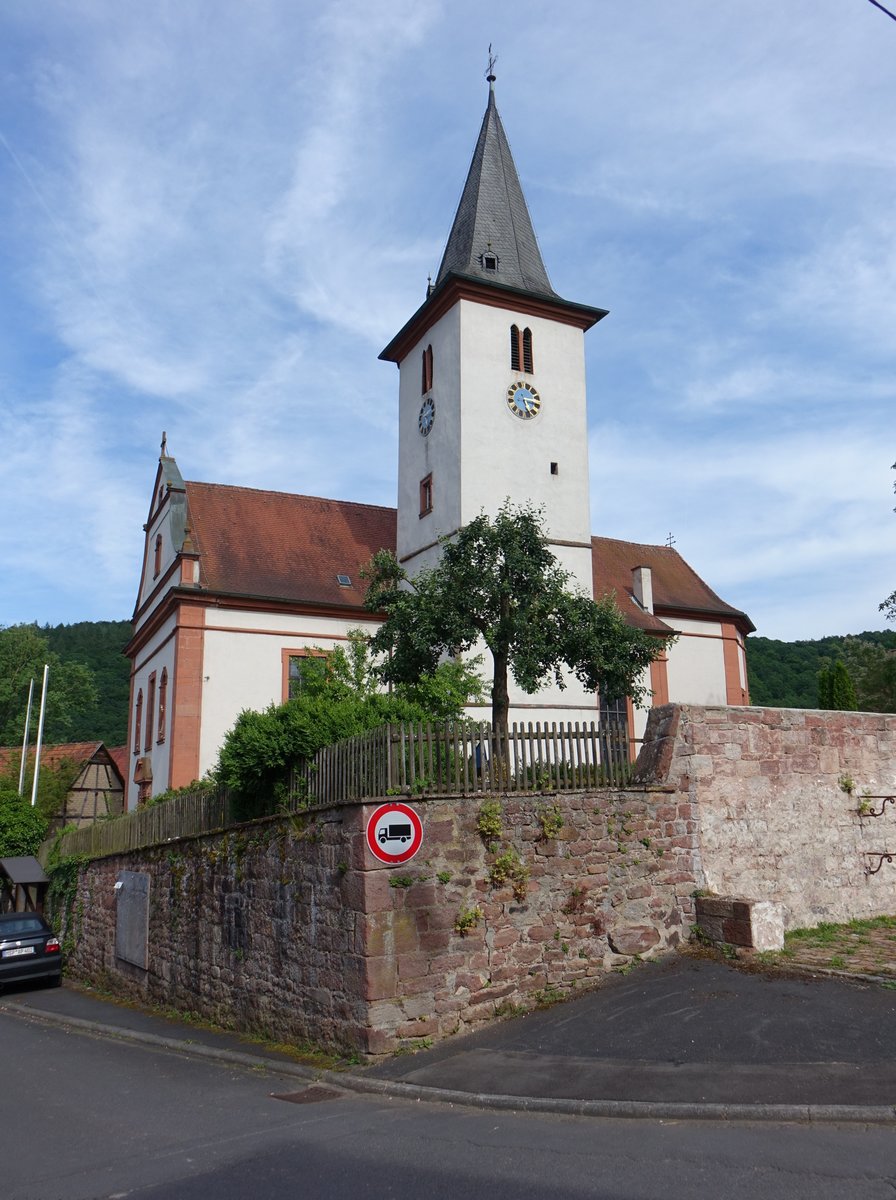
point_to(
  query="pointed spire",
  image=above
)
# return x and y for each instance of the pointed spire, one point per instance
(492, 236)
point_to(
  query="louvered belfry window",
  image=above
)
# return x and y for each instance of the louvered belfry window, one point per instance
(521, 350)
(528, 368)
(426, 381)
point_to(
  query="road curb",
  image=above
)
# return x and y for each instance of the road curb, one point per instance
(369, 1085)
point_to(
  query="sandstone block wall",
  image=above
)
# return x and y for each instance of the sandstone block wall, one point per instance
(291, 927)
(775, 821)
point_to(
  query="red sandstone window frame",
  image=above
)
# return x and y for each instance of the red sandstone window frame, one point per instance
(163, 706)
(138, 720)
(150, 710)
(286, 655)
(426, 373)
(426, 495)
(521, 350)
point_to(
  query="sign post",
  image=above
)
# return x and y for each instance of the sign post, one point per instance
(394, 833)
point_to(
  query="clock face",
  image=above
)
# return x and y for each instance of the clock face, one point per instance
(427, 416)
(523, 400)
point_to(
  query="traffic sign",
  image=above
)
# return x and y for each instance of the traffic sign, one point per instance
(394, 833)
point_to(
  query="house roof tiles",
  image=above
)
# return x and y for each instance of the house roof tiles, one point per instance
(677, 588)
(285, 547)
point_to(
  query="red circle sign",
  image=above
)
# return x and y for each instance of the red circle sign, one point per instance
(394, 833)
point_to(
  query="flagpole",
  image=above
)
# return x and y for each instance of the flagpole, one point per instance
(40, 735)
(25, 738)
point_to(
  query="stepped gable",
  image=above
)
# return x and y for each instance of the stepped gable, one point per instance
(279, 546)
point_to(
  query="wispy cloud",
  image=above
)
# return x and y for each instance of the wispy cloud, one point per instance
(212, 216)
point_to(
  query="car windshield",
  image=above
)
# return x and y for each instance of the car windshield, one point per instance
(20, 925)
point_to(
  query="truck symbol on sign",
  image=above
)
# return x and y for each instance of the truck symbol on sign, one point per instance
(395, 833)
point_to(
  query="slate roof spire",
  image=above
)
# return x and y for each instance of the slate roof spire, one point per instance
(492, 236)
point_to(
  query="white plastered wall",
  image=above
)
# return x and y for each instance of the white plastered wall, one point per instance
(243, 664)
(696, 666)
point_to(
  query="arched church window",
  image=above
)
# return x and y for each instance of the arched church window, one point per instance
(138, 721)
(521, 350)
(150, 706)
(163, 704)
(426, 381)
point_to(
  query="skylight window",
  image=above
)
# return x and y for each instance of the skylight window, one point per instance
(344, 580)
(489, 261)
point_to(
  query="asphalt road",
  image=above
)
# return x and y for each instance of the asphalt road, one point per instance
(84, 1118)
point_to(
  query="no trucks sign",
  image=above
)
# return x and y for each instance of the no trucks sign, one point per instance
(394, 833)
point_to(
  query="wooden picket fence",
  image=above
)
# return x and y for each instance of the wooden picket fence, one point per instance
(184, 816)
(431, 758)
(462, 757)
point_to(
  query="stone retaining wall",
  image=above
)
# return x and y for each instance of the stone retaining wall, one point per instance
(290, 927)
(777, 795)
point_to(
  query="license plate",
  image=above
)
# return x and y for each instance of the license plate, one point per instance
(17, 953)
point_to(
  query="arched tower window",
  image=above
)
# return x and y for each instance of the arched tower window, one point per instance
(521, 349)
(163, 704)
(138, 721)
(157, 565)
(528, 368)
(426, 380)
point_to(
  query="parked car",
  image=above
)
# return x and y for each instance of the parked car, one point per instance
(29, 949)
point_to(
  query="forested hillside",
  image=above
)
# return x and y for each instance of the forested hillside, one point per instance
(785, 674)
(98, 645)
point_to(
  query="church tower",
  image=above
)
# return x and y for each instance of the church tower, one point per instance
(492, 378)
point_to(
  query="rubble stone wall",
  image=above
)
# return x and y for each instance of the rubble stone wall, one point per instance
(291, 928)
(781, 799)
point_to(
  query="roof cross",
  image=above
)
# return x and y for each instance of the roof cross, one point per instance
(490, 73)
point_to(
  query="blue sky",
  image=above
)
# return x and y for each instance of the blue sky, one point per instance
(214, 214)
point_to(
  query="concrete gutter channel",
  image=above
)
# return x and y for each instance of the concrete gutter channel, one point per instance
(370, 1084)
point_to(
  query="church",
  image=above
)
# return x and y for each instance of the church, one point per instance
(238, 585)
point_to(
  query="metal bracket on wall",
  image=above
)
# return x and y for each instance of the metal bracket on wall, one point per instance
(869, 812)
(869, 870)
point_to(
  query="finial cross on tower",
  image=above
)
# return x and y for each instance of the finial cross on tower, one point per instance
(490, 72)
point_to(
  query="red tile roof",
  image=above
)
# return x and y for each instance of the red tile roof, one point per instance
(50, 756)
(120, 757)
(677, 588)
(284, 547)
(277, 546)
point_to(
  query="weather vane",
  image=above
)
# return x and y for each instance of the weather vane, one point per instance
(492, 59)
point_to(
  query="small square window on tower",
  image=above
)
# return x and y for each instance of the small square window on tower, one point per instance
(426, 495)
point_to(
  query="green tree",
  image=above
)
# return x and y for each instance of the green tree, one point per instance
(836, 690)
(440, 695)
(23, 653)
(872, 667)
(22, 828)
(339, 698)
(497, 581)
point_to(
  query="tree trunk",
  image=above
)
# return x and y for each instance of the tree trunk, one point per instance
(500, 695)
